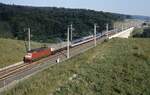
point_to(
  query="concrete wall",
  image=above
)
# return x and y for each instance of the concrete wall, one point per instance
(123, 34)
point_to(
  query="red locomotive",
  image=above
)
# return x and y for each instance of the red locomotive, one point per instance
(37, 54)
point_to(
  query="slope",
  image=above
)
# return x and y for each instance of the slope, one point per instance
(116, 67)
(12, 51)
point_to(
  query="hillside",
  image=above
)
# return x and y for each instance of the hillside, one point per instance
(116, 67)
(48, 23)
(140, 17)
(12, 51)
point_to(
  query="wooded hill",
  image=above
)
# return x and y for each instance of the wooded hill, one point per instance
(47, 23)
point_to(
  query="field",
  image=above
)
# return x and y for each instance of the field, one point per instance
(140, 30)
(116, 67)
(12, 51)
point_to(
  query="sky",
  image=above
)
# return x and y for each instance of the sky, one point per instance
(133, 7)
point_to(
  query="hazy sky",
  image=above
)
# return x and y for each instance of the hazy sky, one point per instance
(135, 7)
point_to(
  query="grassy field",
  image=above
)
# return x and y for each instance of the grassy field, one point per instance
(12, 51)
(140, 30)
(116, 67)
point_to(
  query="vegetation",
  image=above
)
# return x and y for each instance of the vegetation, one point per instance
(116, 67)
(137, 32)
(142, 33)
(12, 51)
(47, 23)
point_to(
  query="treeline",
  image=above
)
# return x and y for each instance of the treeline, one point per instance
(48, 23)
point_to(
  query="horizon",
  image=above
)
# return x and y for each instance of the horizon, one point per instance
(118, 6)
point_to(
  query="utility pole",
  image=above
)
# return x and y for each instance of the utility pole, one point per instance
(107, 28)
(68, 43)
(71, 29)
(29, 40)
(95, 26)
(115, 28)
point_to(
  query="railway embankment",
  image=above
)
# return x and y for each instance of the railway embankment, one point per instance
(117, 66)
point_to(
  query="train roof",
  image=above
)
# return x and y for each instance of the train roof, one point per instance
(37, 49)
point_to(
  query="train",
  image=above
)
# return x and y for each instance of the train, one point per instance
(39, 53)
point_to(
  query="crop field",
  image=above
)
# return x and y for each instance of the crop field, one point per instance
(12, 51)
(115, 67)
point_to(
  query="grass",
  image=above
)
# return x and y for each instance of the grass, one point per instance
(116, 67)
(12, 51)
(137, 32)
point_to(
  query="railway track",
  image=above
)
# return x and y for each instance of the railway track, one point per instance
(18, 70)
(4, 74)
(9, 71)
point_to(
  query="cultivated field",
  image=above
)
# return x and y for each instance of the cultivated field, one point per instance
(12, 51)
(116, 67)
